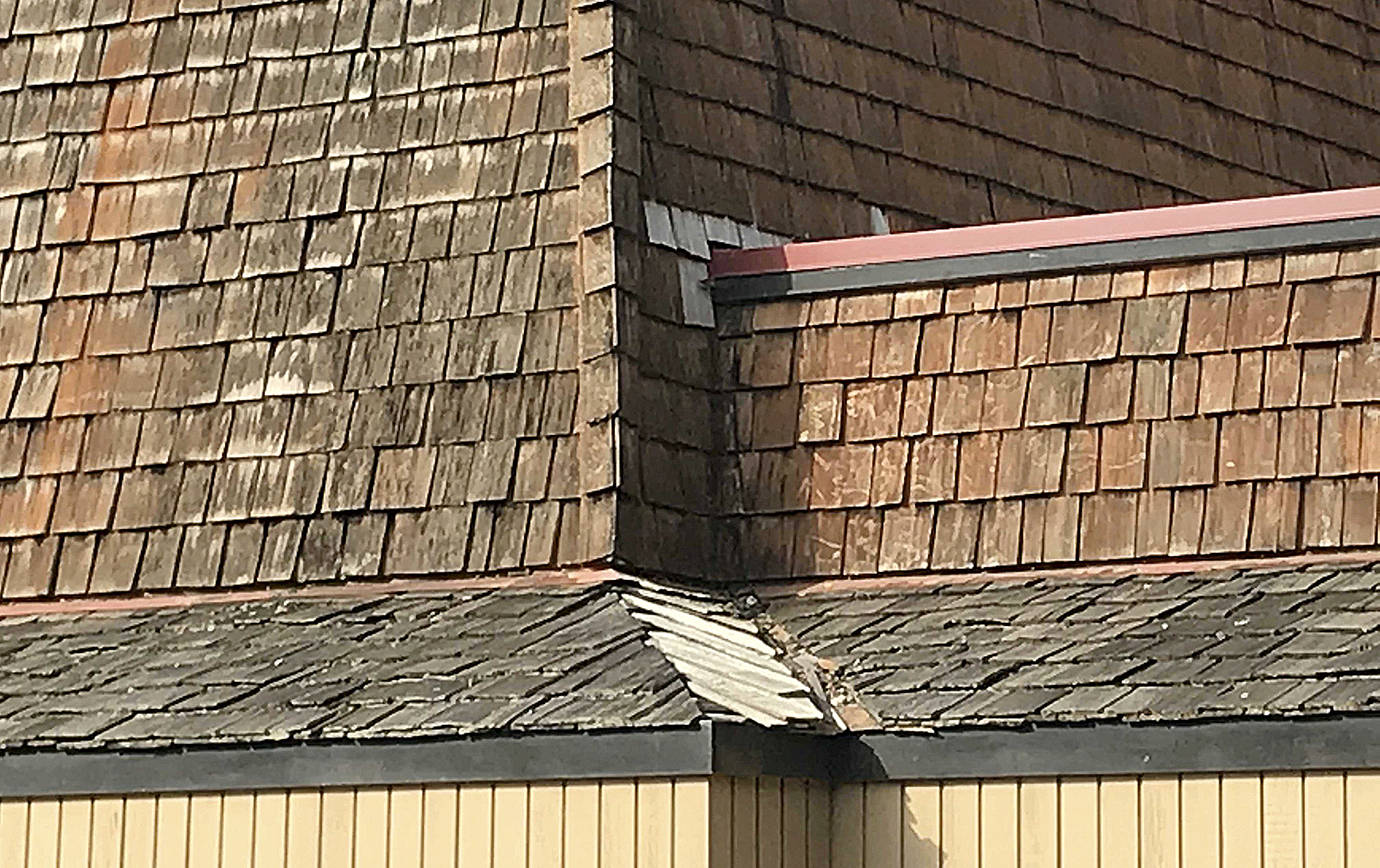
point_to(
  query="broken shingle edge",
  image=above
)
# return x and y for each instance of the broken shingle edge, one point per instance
(728, 660)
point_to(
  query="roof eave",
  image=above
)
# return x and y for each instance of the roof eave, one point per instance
(719, 748)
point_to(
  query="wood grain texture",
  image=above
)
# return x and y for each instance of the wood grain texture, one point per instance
(246, 305)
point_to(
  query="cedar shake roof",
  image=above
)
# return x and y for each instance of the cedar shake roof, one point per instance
(1168, 646)
(1162, 645)
(401, 665)
(943, 112)
(1221, 395)
(290, 292)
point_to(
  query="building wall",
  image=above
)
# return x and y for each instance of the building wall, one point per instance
(1213, 407)
(1241, 821)
(646, 824)
(811, 119)
(1193, 821)
(287, 292)
(800, 114)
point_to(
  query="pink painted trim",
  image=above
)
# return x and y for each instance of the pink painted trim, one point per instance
(349, 590)
(1117, 570)
(1052, 232)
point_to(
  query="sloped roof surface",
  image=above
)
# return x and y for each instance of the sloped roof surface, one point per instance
(402, 665)
(1242, 643)
(1263, 642)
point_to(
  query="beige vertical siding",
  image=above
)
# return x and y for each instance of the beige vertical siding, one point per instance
(608, 824)
(769, 823)
(1314, 820)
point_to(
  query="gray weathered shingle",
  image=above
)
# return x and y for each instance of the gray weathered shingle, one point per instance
(1250, 642)
(399, 665)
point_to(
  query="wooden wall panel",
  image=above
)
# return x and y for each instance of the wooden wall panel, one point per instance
(1317, 820)
(1202, 409)
(611, 824)
(253, 322)
(800, 115)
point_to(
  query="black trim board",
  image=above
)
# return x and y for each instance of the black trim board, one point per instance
(716, 749)
(1120, 749)
(548, 756)
(1045, 260)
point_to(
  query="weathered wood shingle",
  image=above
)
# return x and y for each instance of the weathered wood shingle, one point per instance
(258, 262)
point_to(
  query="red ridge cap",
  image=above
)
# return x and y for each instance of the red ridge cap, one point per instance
(1052, 232)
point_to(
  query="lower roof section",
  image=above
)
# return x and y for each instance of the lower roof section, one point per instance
(1165, 643)
(1167, 668)
(714, 748)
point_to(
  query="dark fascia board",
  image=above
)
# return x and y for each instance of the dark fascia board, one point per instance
(1225, 746)
(737, 289)
(708, 749)
(715, 749)
(546, 756)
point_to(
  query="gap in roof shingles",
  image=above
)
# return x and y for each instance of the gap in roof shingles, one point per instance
(695, 238)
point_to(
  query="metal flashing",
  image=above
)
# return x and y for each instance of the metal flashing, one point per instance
(1132, 225)
(546, 756)
(735, 288)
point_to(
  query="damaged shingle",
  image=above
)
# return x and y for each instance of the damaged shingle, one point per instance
(418, 664)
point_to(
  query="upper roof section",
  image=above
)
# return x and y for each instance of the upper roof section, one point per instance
(1201, 380)
(286, 291)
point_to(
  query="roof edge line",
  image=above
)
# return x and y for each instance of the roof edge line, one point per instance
(1293, 744)
(362, 589)
(1257, 745)
(1157, 567)
(1141, 223)
(747, 287)
(670, 752)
